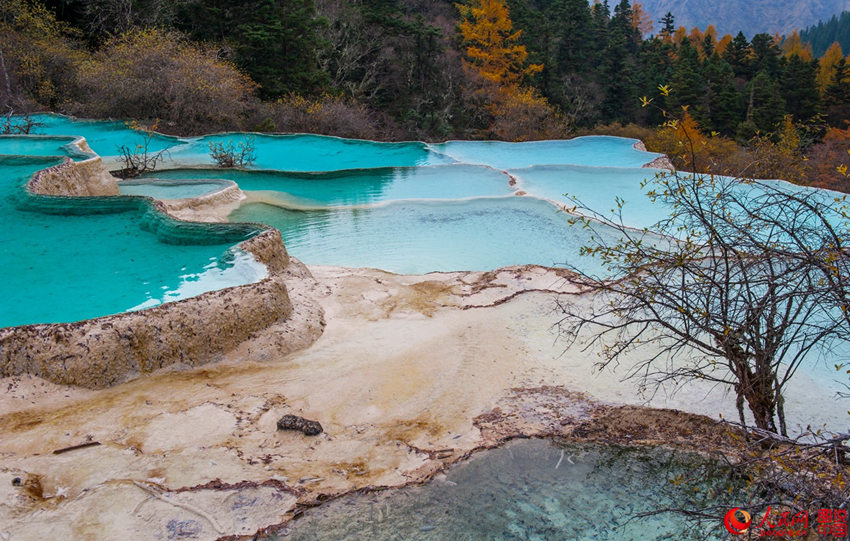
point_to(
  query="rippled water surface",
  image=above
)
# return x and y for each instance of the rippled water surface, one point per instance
(529, 490)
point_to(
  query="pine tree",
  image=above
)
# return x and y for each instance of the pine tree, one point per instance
(655, 63)
(799, 88)
(274, 41)
(837, 96)
(277, 44)
(575, 48)
(838, 90)
(708, 44)
(765, 108)
(766, 55)
(687, 84)
(668, 25)
(723, 101)
(619, 68)
(740, 56)
(826, 33)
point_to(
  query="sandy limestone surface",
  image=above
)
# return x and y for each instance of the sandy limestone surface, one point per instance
(411, 373)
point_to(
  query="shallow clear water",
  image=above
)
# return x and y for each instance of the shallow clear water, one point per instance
(417, 237)
(596, 188)
(103, 137)
(39, 146)
(68, 259)
(598, 151)
(171, 189)
(336, 201)
(303, 152)
(521, 492)
(360, 186)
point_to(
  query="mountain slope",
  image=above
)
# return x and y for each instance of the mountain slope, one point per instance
(751, 16)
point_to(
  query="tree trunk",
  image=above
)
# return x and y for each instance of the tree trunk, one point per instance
(780, 411)
(762, 402)
(6, 79)
(739, 403)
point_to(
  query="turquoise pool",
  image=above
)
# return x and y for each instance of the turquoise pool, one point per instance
(103, 137)
(416, 220)
(406, 207)
(39, 146)
(359, 187)
(171, 189)
(417, 237)
(68, 259)
(304, 152)
(594, 150)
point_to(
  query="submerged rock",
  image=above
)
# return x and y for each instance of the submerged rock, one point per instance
(294, 422)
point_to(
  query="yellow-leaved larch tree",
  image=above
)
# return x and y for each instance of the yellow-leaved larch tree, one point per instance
(492, 47)
(828, 64)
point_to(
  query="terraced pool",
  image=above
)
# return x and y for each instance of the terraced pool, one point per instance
(68, 259)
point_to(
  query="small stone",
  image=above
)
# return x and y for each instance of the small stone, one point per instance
(294, 422)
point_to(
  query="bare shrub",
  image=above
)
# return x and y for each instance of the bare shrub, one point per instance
(522, 115)
(229, 154)
(616, 129)
(326, 114)
(18, 125)
(140, 158)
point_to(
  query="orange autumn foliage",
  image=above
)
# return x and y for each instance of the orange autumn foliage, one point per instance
(837, 135)
(492, 48)
(688, 148)
(723, 43)
(795, 46)
(641, 19)
(827, 65)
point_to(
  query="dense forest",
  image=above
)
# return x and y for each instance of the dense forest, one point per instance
(405, 69)
(825, 33)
